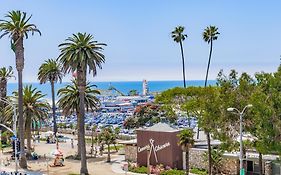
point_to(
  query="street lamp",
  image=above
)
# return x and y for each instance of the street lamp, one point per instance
(236, 111)
(14, 131)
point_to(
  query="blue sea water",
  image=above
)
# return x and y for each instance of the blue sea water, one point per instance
(123, 86)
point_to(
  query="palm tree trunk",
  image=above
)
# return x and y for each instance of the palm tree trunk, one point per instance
(3, 87)
(19, 52)
(260, 163)
(187, 161)
(92, 140)
(78, 135)
(208, 133)
(108, 152)
(28, 136)
(81, 80)
(3, 91)
(209, 62)
(54, 108)
(183, 65)
(209, 153)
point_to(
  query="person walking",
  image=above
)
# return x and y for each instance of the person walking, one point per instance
(72, 145)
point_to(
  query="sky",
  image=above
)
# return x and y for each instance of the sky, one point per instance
(138, 36)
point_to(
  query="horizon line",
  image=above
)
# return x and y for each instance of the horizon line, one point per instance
(114, 81)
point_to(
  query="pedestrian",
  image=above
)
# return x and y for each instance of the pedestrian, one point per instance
(72, 145)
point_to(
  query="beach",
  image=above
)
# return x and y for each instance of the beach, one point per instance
(96, 166)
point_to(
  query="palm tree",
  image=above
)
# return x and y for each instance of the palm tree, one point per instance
(5, 74)
(209, 35)
(69, 98)
(7, 113)
(69, 102)
(50, 71)
(186, 141)
(17, 26)
(179, 37)
(34, 109)
(79, 53)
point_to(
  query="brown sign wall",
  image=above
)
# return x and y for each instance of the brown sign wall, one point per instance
(168, 152)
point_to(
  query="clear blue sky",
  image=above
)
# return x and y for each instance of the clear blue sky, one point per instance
(139, 40)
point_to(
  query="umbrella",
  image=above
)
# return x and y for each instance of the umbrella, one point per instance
(57, 152)
(49, 133)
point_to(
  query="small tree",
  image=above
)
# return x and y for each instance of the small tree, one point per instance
(116, 133)
(108, 137)
(216, 155)
(186, 141)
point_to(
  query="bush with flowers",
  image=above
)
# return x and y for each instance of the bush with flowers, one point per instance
(157, 169)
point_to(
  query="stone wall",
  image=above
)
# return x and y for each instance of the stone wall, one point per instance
(268, 168)
(130, 153)
(230, 166)
(198, 160)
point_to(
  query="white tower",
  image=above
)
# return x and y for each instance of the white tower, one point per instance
(144, 87)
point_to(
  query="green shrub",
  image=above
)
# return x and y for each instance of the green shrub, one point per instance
(6, 145)
(141, 169)
(198, 171)
(43, 139)
(172, 172)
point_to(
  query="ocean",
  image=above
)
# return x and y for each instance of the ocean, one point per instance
(122, 86)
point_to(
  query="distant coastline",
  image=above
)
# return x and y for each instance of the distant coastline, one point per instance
(123, 86)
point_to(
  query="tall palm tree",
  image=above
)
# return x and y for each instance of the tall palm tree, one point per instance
(209, 35)
(5, 74)
(34, 109)
(17, 27)
(69, 101)
(179, 37)
(186, 141)
(79, 53)
(50, 71)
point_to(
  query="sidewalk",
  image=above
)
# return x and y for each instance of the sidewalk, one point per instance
(116, 166)
(9, 170)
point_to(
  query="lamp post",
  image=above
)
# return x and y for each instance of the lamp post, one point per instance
(14, 131)
(236, 111)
